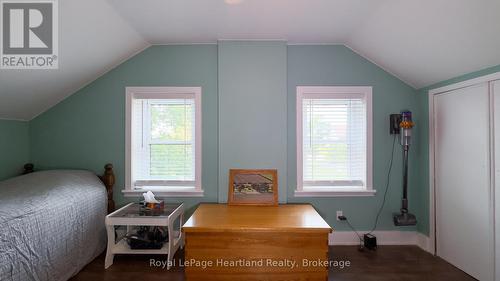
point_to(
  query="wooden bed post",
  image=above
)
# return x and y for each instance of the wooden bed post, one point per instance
(109, 180)
(28, 168)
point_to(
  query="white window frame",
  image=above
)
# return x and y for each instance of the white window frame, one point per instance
(174, 189)
(335, 92)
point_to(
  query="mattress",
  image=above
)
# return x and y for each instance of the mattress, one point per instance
(51, 224)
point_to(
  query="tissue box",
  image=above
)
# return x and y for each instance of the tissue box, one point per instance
(154, 206)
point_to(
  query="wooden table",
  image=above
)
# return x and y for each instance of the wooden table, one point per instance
(133, 215)
(285, 242)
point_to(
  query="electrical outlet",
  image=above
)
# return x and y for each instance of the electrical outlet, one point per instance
(339, 213)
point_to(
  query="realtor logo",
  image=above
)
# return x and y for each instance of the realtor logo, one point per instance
(29, 34)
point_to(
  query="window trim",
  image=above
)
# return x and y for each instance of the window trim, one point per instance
(338, 92)
(163, 93)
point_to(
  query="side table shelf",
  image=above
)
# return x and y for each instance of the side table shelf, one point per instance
(130, 215)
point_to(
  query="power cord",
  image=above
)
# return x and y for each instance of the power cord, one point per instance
(344, 218)
(387, 186)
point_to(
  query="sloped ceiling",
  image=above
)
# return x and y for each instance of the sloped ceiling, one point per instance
(421, 42)
(92, 39)
(427, 41)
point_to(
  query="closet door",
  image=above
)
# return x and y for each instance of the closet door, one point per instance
(464, 230)
(495, 87)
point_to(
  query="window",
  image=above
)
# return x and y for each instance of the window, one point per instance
(164, 141)
(334, 141)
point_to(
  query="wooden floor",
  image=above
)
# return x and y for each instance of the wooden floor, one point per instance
(398, 263)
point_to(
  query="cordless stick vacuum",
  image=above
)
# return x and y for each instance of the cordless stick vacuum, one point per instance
(405, 125)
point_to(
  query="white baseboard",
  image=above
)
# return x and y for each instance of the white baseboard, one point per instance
(424, 242)
(383, 238)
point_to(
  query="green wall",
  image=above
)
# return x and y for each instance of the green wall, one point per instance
(422, 160)
(322, 65)
(87, 129)
(14, 147)
(423, 137)
(252, 109)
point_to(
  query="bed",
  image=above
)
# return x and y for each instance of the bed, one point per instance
(52, 223)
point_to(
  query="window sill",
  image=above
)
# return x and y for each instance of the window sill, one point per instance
(183, 192)
(334, 193)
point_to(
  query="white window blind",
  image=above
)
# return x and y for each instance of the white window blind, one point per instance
(166, 141)
(334, 141)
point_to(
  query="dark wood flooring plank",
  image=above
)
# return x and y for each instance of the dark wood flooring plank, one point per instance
(388, 263)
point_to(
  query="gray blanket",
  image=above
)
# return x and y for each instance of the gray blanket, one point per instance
(51, 224)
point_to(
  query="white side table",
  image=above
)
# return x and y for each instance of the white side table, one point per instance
(133, 215)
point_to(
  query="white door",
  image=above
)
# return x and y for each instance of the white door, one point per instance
(495, 86)
(464, 229)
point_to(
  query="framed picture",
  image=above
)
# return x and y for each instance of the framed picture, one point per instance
(253, 187)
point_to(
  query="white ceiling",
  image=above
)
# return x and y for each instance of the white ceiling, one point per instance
(427, 41)
(92, 39)
(195, 21)
(421, 42)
